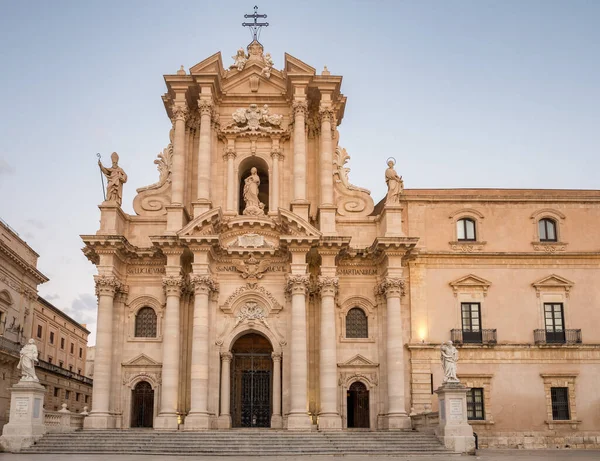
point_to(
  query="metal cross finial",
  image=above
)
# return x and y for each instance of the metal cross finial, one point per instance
(255, 26)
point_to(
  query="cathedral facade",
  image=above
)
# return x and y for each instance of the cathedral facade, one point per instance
(256, 286)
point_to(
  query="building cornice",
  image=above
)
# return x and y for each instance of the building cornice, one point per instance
(20, 262)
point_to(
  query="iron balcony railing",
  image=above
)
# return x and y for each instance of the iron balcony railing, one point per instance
(66, 373)
(10, 346)
(473, 337)
(557, 336)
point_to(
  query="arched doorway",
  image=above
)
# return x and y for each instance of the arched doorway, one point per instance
(263, 174)
(251, 378)
(358, 405)
(142, 405)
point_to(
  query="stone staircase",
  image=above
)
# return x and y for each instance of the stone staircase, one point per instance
(242, 443)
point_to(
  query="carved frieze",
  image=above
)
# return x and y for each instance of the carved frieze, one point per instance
(467, 247)
(549, 247)
(253, 119)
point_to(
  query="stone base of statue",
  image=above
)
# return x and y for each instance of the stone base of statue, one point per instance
(454, 430)
(253, 210)
(26, 422)
(391, 220)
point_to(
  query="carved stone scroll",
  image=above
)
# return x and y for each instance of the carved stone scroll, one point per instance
(351, 200)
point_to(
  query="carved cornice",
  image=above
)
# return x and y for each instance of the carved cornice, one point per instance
(391, 287)
(37, 275)
(297, 284)
(205, 107)
(173, 285)
(106, 285)
(300, 108)
(180, 112)
(328, 285)
(203, 284)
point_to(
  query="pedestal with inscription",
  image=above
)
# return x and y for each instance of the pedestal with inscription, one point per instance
(454, 430)
(26, 422)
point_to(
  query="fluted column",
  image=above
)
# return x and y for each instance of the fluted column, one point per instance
(205, 107)
(100, 417)
(198, 417)
(393, 289)
(276, 419)
(300, 108)
(326, 157)
(329, 417)
(298, 417)
(225, 416)
(167, 416)
(230, 186)
(180, 112)
(276, 156)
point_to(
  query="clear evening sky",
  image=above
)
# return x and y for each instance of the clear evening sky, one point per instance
(462, 93)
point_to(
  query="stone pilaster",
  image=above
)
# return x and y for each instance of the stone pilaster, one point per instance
(397, 417)
(198, 417)
(202, 204)
(299, 204)
(327, 208)
(100, 416)
(175, 211)
(276, 419)
(224, 421)
(229, 157)
(298, 418)
(276, 157)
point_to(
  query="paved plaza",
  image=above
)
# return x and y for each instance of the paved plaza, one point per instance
(483, 455)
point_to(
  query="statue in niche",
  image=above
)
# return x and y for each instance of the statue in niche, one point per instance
(116, 177)
(254, 207)
(29, 357)
(239, 59)
(394, 183)
(449, 357)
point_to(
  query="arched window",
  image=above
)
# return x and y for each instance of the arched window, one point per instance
(356, 324)
(547, 229)
(145, 323)
(465, 229)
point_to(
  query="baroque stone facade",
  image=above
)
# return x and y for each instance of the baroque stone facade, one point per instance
(253, 267)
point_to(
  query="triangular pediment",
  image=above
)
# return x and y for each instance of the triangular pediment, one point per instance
(211, 65)
(296, 66)
(293, 225)
(470, 282)
(553, 281)
(141, 360)
(358, 361)
(205, 224)
(252, 81)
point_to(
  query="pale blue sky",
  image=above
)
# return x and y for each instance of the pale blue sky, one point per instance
(462, 93)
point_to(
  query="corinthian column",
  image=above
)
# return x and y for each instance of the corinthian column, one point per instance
(276, 420)
(225, 416)
(230, 186)
(329, 417)
(198, 417)
(180, 112)
(300, 206)
(326, 157)
(202, 204)
(397, 417)
(276, 156)
(298, 418)
(100, 417)
(167, 416)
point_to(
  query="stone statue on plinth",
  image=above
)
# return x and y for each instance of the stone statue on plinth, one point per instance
(240, 60)
(116, 177)
(29, 357)
(254, 207)
(394, 183)
(449, 357)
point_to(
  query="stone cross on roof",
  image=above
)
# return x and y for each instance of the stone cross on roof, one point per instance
(255, 26)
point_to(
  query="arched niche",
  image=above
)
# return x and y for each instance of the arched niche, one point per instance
(263, 173)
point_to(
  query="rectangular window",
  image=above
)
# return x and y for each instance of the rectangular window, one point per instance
(67, 395)
(49, 359)
(471, 322)
(61, 363)
(62, 343)
(77, 396)
(81, 352)
(87, 398)
(72, 348)
(70, 367)
(51, 337)
(554, 322)
(56, 391)
(475, 408)
(560, 403)
(39, 331)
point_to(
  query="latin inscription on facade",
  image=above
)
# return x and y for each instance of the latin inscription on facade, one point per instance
(145, 270)
(356, 271)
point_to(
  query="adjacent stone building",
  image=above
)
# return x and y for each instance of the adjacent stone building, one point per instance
(257, 287)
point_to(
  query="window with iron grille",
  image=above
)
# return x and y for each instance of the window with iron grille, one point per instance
(560, 403)
(145, 323)
(465, 229)
(547, 229)
(475, 408)
(356, 323)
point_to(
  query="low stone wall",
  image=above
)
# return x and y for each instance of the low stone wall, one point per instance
(540, 440)
(425, 422)
(64, 420)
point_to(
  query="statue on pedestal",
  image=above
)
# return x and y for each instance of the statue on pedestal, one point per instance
(449, 357)
(394, 183)
(29, 357)
(115, 177)
(254, 207)
(240, 60)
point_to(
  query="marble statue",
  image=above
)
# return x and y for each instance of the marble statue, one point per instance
(270, 119)
(116, 177)
(449, 357)
(394, 183)
(266, 71)
(29, 357)
(253, 205)
(240, 60)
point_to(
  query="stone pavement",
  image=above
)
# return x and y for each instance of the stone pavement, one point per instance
(482, 455)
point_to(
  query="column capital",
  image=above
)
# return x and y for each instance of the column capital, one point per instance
(173, 285)
(226, 356)
(205, 106)
(326, 114)
(203, 284)
(297, 284)
(229, 153)
(277, 154)
(391, 287)
(106, 285)
(122, 292)
(328, 285)
(276, 356)
(180, 112)
(300, 107)
(193, 121)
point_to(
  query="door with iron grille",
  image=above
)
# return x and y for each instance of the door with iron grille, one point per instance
(142, 405)
(358, 405)
(251, 377)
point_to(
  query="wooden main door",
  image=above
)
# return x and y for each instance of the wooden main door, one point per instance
(142, 405)
(251, 378)
(358, 405)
